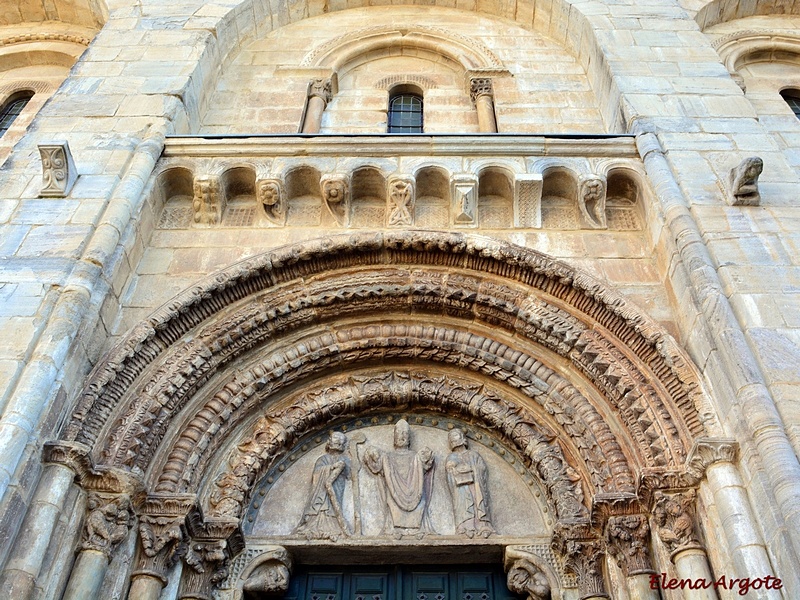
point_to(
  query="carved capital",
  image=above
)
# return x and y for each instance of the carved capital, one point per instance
(108, 519)
(271, 196)
(628, 540)
(271, 573)
(652, 480)
(162, 531)
(212, 544)
(592, 201)
(480, 86)
(76, 457)
(208, 203)
(58, 170)
(707, 451)
(673, 517)
(401, 201)
(743, 182)
(336, 194)
(583, 553)
(320, 88)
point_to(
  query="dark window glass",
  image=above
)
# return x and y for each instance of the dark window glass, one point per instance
(11, 110)
(405, 114)
(792, 98)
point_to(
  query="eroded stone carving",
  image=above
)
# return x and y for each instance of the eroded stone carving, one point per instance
(743, 180)
(162, 532)
(213, 543)
(271, 575)
(628, 539)
(336, 196)
(401, 201)
(526, 579)
(323, 518)
(673, 515)
(320, 88)
(107, 522)
(208, 203)
(592, 201)
(468, 481)
(270, 194)
(58, 170)
(405, 478)
(562, 481)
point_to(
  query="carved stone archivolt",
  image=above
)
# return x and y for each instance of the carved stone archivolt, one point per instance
(647, 384)
(277, 431)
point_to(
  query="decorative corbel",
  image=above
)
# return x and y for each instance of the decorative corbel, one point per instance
(743, 182)
(271, 195)
(336, 194)
(465, 200)
(528, 574)
(592, 201)
(401, 201)
(208, 204)
(270, 573)
(58, 170)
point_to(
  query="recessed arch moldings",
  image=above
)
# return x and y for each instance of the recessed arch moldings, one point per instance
(301, 291)
(460, 49)
(757, 45)
(721, 11)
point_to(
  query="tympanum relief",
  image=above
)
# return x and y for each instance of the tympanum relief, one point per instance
(398, 481)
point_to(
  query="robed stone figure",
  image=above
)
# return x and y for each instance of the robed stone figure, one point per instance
(405, 478)
(468, 481)
(323, 518)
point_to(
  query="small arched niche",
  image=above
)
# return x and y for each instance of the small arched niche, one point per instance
(175, 191)
(559, 199)
(368, 197)
(495, 198)
(432, 207)
(623, 208)
(239, 193)
(304, 197)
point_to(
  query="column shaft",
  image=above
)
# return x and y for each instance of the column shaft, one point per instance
(692, 565)
(87, 576)
(484, 104)
(314, 110)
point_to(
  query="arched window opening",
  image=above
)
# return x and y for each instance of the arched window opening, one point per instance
(792, 98)
(405, 110)
(12, 109)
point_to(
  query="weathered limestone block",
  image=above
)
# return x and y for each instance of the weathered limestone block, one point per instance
(208, 204)
(528, 201)
(465, 200)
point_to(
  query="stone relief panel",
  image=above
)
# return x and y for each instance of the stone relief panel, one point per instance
(398, 480)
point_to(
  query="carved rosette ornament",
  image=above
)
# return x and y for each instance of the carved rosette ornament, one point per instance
(673, 516)
(628, 538)
(213, 543)
(480, 86)
(270, 194)
(162, 531)
(108, 520)
(401, 201)
(58, 170)
(592, 201)
(207, 203)
(336, 196)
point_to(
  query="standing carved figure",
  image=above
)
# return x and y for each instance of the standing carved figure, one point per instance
(468, 481)
(405, 480)
(323, 518)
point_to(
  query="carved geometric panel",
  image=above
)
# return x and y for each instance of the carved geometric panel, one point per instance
(559, 214)
(623, 218)
(175, 217)
(431, 215)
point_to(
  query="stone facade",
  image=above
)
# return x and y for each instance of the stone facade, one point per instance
(246, 330)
